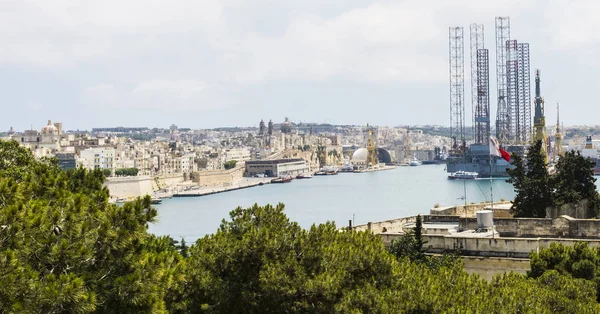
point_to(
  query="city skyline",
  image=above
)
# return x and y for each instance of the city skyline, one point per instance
(207, 64)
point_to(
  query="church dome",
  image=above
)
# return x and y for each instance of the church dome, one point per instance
(49, 129)
(360, 155)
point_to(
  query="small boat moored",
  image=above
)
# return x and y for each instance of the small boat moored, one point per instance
(415, 162)
(463, 175)
(282, 180)
(304, 176)
(155, 200)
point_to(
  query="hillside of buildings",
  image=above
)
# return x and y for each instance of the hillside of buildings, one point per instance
(181, 158)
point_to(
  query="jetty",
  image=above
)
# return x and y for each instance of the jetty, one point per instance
(198, 191)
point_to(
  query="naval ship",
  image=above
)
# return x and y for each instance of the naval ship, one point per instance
(477, 159)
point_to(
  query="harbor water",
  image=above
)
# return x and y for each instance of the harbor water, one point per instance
(362, 197)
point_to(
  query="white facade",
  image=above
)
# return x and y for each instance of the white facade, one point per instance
(98, 158)
(237, 154)
(275, 168)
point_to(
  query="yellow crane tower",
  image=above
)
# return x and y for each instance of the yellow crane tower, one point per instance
(371, 147)
(558, 149)
(539, 120)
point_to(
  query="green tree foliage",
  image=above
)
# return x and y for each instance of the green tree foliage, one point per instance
(322, 155)
(574, 181)
(419, 242)
(107, 172)
(127, 172)
(531, 182)
(578, 261)
(64, 248)
(411, 245)
(15, 161)
(261, 262)
(230, 164)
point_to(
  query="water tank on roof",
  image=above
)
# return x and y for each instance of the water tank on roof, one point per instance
(485, 219)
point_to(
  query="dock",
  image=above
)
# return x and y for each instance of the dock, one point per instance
(215, 190)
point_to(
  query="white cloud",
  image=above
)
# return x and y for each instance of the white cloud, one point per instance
(160, 95)
(575, 25)
(195, 54)
(384, 41)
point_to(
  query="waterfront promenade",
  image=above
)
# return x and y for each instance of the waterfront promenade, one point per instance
(245, 183)
(190, 191)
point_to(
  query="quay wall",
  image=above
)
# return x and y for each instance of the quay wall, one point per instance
(129, 187)
(166, 181)
(219, 178)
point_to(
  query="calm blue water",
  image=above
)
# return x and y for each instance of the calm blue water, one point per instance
(370, 196)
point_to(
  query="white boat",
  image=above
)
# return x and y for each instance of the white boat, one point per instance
(415, 162)
(156, 200)
(463, 175)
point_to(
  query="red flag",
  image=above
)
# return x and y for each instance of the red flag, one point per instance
(495, 149)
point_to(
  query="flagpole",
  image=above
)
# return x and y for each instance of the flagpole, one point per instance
(491, 188)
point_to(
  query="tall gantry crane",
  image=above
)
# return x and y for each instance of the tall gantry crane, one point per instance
(457, 89)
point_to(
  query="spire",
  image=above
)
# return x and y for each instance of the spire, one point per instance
(539, 121)
(557, 118)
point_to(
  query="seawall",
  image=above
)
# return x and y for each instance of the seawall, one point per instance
(129, 187)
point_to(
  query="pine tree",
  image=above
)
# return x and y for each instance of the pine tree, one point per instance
(531, 182)
(183, 248)
(574, 181)
(418, 233)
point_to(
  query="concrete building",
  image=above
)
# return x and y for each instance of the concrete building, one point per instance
(276, 168)
(66, 160)
(237, 154)
(489, 247)
(98, 158)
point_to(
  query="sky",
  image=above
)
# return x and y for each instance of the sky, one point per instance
(211, 63)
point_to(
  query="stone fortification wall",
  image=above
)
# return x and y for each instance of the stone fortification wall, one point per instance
(219, 178)
(162, 182)
(129, 187)
(393, 226)
(577, 210)
(497, 247)
(561, 227)
(440, 219)
(501, 210)
(488, 267)
(486, 247)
